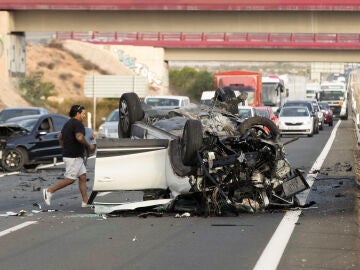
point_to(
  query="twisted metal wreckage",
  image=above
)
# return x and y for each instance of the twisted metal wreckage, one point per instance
(204, 160)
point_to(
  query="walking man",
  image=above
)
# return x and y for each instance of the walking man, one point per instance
(72, 141)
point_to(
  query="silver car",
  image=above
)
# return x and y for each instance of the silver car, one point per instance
(109, 129)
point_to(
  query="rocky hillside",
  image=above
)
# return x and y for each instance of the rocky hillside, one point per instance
(65, 65)
(9, 97)
(58, 67)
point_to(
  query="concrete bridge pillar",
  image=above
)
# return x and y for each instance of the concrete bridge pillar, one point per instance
(4, 31)
(12, 61)
(12, 50)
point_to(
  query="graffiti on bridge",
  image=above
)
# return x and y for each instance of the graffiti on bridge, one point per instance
(139, 69)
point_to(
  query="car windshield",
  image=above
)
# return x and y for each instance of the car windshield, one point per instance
(251, 97)
(331, 95)
(7, 114)
(324, 106)
(263, 113)
(269, 92)
(113, 117)
(162, 102)
(207, 102)
(290, 112)
(305, 104)
(244, 113)
(28, 124)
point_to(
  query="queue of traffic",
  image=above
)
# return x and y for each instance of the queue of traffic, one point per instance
(316, 106)
(309, 106)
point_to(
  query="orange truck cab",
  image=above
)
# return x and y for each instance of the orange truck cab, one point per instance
(242, 80)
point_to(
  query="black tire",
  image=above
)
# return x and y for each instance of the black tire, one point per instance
(30, 166)
(14, 159)
(311, 134)
(130, 111)
(316, 127)
(258, 121)
(191, 142)
(331, 123)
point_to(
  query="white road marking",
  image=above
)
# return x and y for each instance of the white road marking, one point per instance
(103, 194)
(310, 178)
(17, 227)
(274, 250)
(49, 165)
(6, 174)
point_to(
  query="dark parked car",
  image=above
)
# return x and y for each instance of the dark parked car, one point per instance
(8, 113)
(30, 140)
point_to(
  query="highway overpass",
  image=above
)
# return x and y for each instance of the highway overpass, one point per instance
(200, 16)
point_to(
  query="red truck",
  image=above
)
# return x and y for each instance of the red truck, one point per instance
(242, 80)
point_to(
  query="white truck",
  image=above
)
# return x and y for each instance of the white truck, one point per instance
(207, 97)
(295, 86)
(335, 93)
(312, 89)
(273, 91)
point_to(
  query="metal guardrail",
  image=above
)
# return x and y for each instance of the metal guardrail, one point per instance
(356, 116)
(357, 133)
(166, 5)
(332, 41)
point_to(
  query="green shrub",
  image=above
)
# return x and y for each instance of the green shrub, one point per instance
(190, 82)
(34, 90)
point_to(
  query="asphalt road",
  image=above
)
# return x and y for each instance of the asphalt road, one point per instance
(325, 236)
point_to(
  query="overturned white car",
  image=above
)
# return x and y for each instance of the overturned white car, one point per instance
(205, 155)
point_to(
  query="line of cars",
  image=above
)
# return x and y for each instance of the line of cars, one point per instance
(301, 116)
(304, 116)
(30, 137)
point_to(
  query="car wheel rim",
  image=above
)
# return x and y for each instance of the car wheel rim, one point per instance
(124, 116)
(13, 159)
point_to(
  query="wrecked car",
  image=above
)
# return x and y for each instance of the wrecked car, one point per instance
(27, 141)
(206, 155)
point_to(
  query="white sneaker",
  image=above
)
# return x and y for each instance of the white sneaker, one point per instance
(85, 205)
(47, 196)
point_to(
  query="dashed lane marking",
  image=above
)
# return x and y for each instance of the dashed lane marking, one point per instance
(17, 227)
